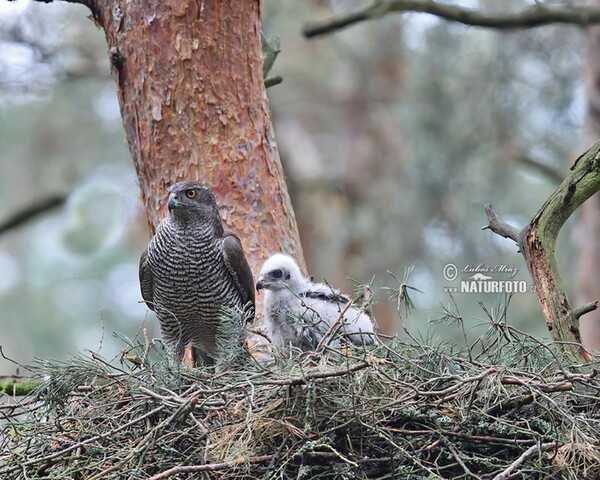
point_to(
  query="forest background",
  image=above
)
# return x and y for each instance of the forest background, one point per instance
(392, 133)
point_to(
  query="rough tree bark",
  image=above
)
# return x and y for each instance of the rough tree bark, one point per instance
(193, 102)
(537, 243)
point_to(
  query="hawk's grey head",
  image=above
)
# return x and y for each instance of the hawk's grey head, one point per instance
(280, 272)
(192, 201)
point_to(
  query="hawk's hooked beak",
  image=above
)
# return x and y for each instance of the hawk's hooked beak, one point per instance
(260, 283)
(173, 201)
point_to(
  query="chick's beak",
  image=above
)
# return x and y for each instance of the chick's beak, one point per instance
(260, 283)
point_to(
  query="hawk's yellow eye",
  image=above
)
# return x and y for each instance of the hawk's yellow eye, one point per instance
(191, 193)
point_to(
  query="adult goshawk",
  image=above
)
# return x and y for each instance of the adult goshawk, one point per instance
(191, 269)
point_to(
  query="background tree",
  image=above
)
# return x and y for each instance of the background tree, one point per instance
(537, 241)
(189, 79)
(587, 231)
(393, 134)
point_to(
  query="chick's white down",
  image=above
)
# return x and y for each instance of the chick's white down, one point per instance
(298, 312)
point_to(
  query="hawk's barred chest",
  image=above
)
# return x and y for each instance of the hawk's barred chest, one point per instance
(191, 281)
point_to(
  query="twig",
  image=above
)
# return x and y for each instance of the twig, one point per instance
(401, 295)
(272, 81)
(498, 226)
(546, 388)
(575, 313)
(62, 452)
(459, 460)
(211, 467)
(102, 333)
(317, 376)
(462, 326)
(334, 326)
(459, 383)
(530, 451)
(511, 403)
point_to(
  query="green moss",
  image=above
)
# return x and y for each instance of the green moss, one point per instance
(19, 388)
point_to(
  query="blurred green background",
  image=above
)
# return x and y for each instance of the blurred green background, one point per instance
(393, 135)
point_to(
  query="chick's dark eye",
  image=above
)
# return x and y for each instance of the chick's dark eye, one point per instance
(191, 193)
(277, 273)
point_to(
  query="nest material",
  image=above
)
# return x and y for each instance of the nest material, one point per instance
(408, 410)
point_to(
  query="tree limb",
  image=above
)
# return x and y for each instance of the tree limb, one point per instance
(38, 207)
(579, 311)
(537, 243)
(498, 226)
(534, 16)
(527, 453)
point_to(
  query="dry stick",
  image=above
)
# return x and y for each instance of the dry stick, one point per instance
(512, 403)
(459, 460)
(544, 387)
(458, 384)
(333, 327)
(211, 467)
(150, 437)
(401, 294)
(527, 453)
(462, 325)
(81, 444)
(102, 330)
(147, 345)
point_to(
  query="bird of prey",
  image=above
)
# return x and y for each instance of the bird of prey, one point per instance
(191, 269)
(299, 312)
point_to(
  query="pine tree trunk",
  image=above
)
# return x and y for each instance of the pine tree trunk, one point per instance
(193, 101)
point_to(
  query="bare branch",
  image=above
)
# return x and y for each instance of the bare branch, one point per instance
(530, 451)
(31, 211)
(537, 243)
(579, 311)
(534, 16)
(272, 81)
(498, 226)
(211, 467)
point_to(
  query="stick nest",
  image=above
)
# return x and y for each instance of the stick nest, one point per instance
(514, 407)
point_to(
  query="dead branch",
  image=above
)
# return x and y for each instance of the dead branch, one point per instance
(211, 467)
(537, 243)
(534, 16)
(579, 311)
(527, 453)
(33, 210)
(77, 445)
(496, 225)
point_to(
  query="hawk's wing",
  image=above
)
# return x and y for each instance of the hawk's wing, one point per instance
(146, 280)
(237, 265)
